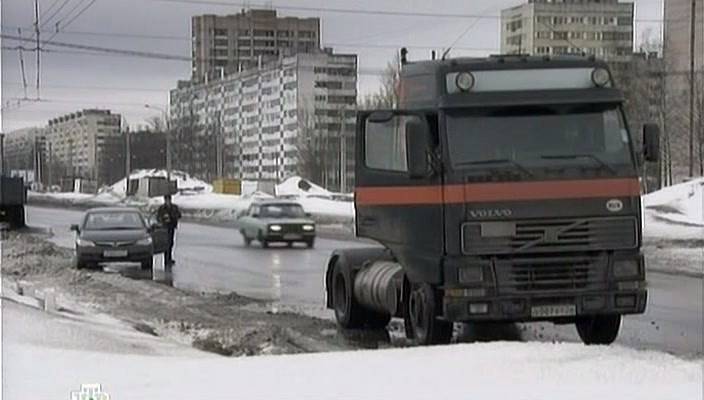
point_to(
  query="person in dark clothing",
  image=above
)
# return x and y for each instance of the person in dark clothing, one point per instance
(168, 215)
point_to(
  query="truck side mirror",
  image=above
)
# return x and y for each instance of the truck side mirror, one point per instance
(417, 148)
(651, 142)
(75, 228)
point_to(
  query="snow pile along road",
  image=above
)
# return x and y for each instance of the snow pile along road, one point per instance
(197, 200)
(467, 371)
(683, 203)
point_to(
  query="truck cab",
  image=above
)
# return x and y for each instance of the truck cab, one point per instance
(502, 189)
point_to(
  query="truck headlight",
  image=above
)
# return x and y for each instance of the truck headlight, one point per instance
(275, 228)
(147, 241)
(308, 228)
(626, 268)
(84, 243)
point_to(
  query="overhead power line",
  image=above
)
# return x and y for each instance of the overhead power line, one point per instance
(58, 24)
(337, 10)
(337, 44)
(48, 19)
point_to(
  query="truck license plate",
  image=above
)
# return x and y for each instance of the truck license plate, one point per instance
(560, 310)
(114, 253)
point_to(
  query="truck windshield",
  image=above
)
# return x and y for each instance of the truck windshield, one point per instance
(539, 137)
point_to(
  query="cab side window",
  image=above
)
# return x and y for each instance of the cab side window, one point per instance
(385, 144)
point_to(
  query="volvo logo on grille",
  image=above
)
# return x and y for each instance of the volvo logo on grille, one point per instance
(614, 205)
(490, 213)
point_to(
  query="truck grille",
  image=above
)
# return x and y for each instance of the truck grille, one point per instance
(551, 274)
(554, 235)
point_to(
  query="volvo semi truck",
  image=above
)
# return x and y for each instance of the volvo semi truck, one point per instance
(502, 189)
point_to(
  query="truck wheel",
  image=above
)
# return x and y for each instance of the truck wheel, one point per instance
(348, 313)
(427, 329)
(598, 329)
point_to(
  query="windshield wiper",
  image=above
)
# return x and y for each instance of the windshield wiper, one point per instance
(498, 161)
(576, 156)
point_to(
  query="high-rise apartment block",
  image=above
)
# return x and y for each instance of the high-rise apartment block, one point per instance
(603, 28)
(230, 43)
(86, 144)
(266, 122)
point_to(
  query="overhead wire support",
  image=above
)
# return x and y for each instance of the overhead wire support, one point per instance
(38, 48)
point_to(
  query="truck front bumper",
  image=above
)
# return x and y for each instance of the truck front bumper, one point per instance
(524, 308)
(540, 288)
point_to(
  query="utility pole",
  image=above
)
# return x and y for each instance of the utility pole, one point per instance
(692, 39)
(36, 34)
(128, 159)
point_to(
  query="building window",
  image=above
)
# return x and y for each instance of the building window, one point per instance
(557, 35)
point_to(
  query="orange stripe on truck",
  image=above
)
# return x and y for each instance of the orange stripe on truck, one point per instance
(488, 192)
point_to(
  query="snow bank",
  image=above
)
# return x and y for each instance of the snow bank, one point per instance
(682, 203)
(466, 371)
(297, 186)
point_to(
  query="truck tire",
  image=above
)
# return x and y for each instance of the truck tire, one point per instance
(598, 329)
(426, 328)
(348, 313)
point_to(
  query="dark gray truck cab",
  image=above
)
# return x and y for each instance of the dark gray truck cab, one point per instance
(13, 196)
(502, 189)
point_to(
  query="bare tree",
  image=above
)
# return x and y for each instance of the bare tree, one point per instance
(389, 92)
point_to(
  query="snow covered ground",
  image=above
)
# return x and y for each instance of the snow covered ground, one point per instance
(682, 203)
(65, 355)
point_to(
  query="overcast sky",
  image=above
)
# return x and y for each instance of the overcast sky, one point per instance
(71, 80)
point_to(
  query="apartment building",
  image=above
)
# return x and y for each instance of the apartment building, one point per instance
(603, 28)
(226, 44)
(25, 152)
(86, 144)
(295, 115)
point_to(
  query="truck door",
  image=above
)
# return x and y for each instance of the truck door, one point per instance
(398, 195)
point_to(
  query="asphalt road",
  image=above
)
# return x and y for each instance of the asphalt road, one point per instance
(215, 259)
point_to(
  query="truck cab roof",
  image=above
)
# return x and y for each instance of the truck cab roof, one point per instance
(505, 80)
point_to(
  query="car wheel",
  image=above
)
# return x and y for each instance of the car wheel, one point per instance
(79, 264)
(247, 239)
(262, 240)
(289, 244)
(310, 243)
(148, 264)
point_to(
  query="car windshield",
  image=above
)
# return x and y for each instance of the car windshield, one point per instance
(535, 137)
(103, 221)
(282, 211)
